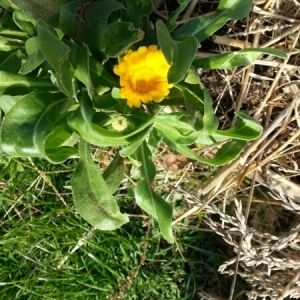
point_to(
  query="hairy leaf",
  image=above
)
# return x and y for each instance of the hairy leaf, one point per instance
(58, 59)
(28, 123)
(204, 26)
(235, 59)
(147, 198)
(12, 84)
(198, 102)
(114, 173)
(119, 36)
(224, 155)
(87, 21)
(47, 10)
(92, 197)
(179, 54)
(35, 55)
(246, 128)
(24, 22)
(82, 70)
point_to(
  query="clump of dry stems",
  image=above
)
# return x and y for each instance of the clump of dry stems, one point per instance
(262, 185)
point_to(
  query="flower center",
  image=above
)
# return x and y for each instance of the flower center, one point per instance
(143, 86)
(143, 80)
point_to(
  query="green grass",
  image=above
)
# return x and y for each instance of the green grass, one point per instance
(38, 230)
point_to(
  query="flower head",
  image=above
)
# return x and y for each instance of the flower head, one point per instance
(143, 76)
(119, 123)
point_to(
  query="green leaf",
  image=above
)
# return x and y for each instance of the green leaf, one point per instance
(7, 20)
(92, 197)
(42, 9)
(155, 137)
(81, 121)
(61, 135)
(171, 22)
(178, 54)
(175, 97)
(6, 4)
(187, 49)
(209, 139)
(24, 22)
(87, 22)
(96, 21)
(235, 9)
(35, 55)
(203, 27)
(171, 126)
(119, 36)
(58, 144)
(27, 124)
(71, 17)
(14, 35)
(82, 70)
(198, 101)
(74, 50)
(100, 75)
(58, 155)
(57, 59)
(246, 128)
(145, 6)
(133, 146)
(235, 59)
(105, 101)
(166, 43)
(182, 149)
(32, 45)
(147, 198)
(13, 62)
(224, 155)
(15, 85)
(132, 13)
(7, 102)
(114, 173)
(213, 62)
(7, 45)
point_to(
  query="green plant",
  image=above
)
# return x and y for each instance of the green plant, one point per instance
(60, 93)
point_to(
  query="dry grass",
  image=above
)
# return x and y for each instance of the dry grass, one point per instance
(257, 195)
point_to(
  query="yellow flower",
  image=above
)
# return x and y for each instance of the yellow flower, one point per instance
(143, 76)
